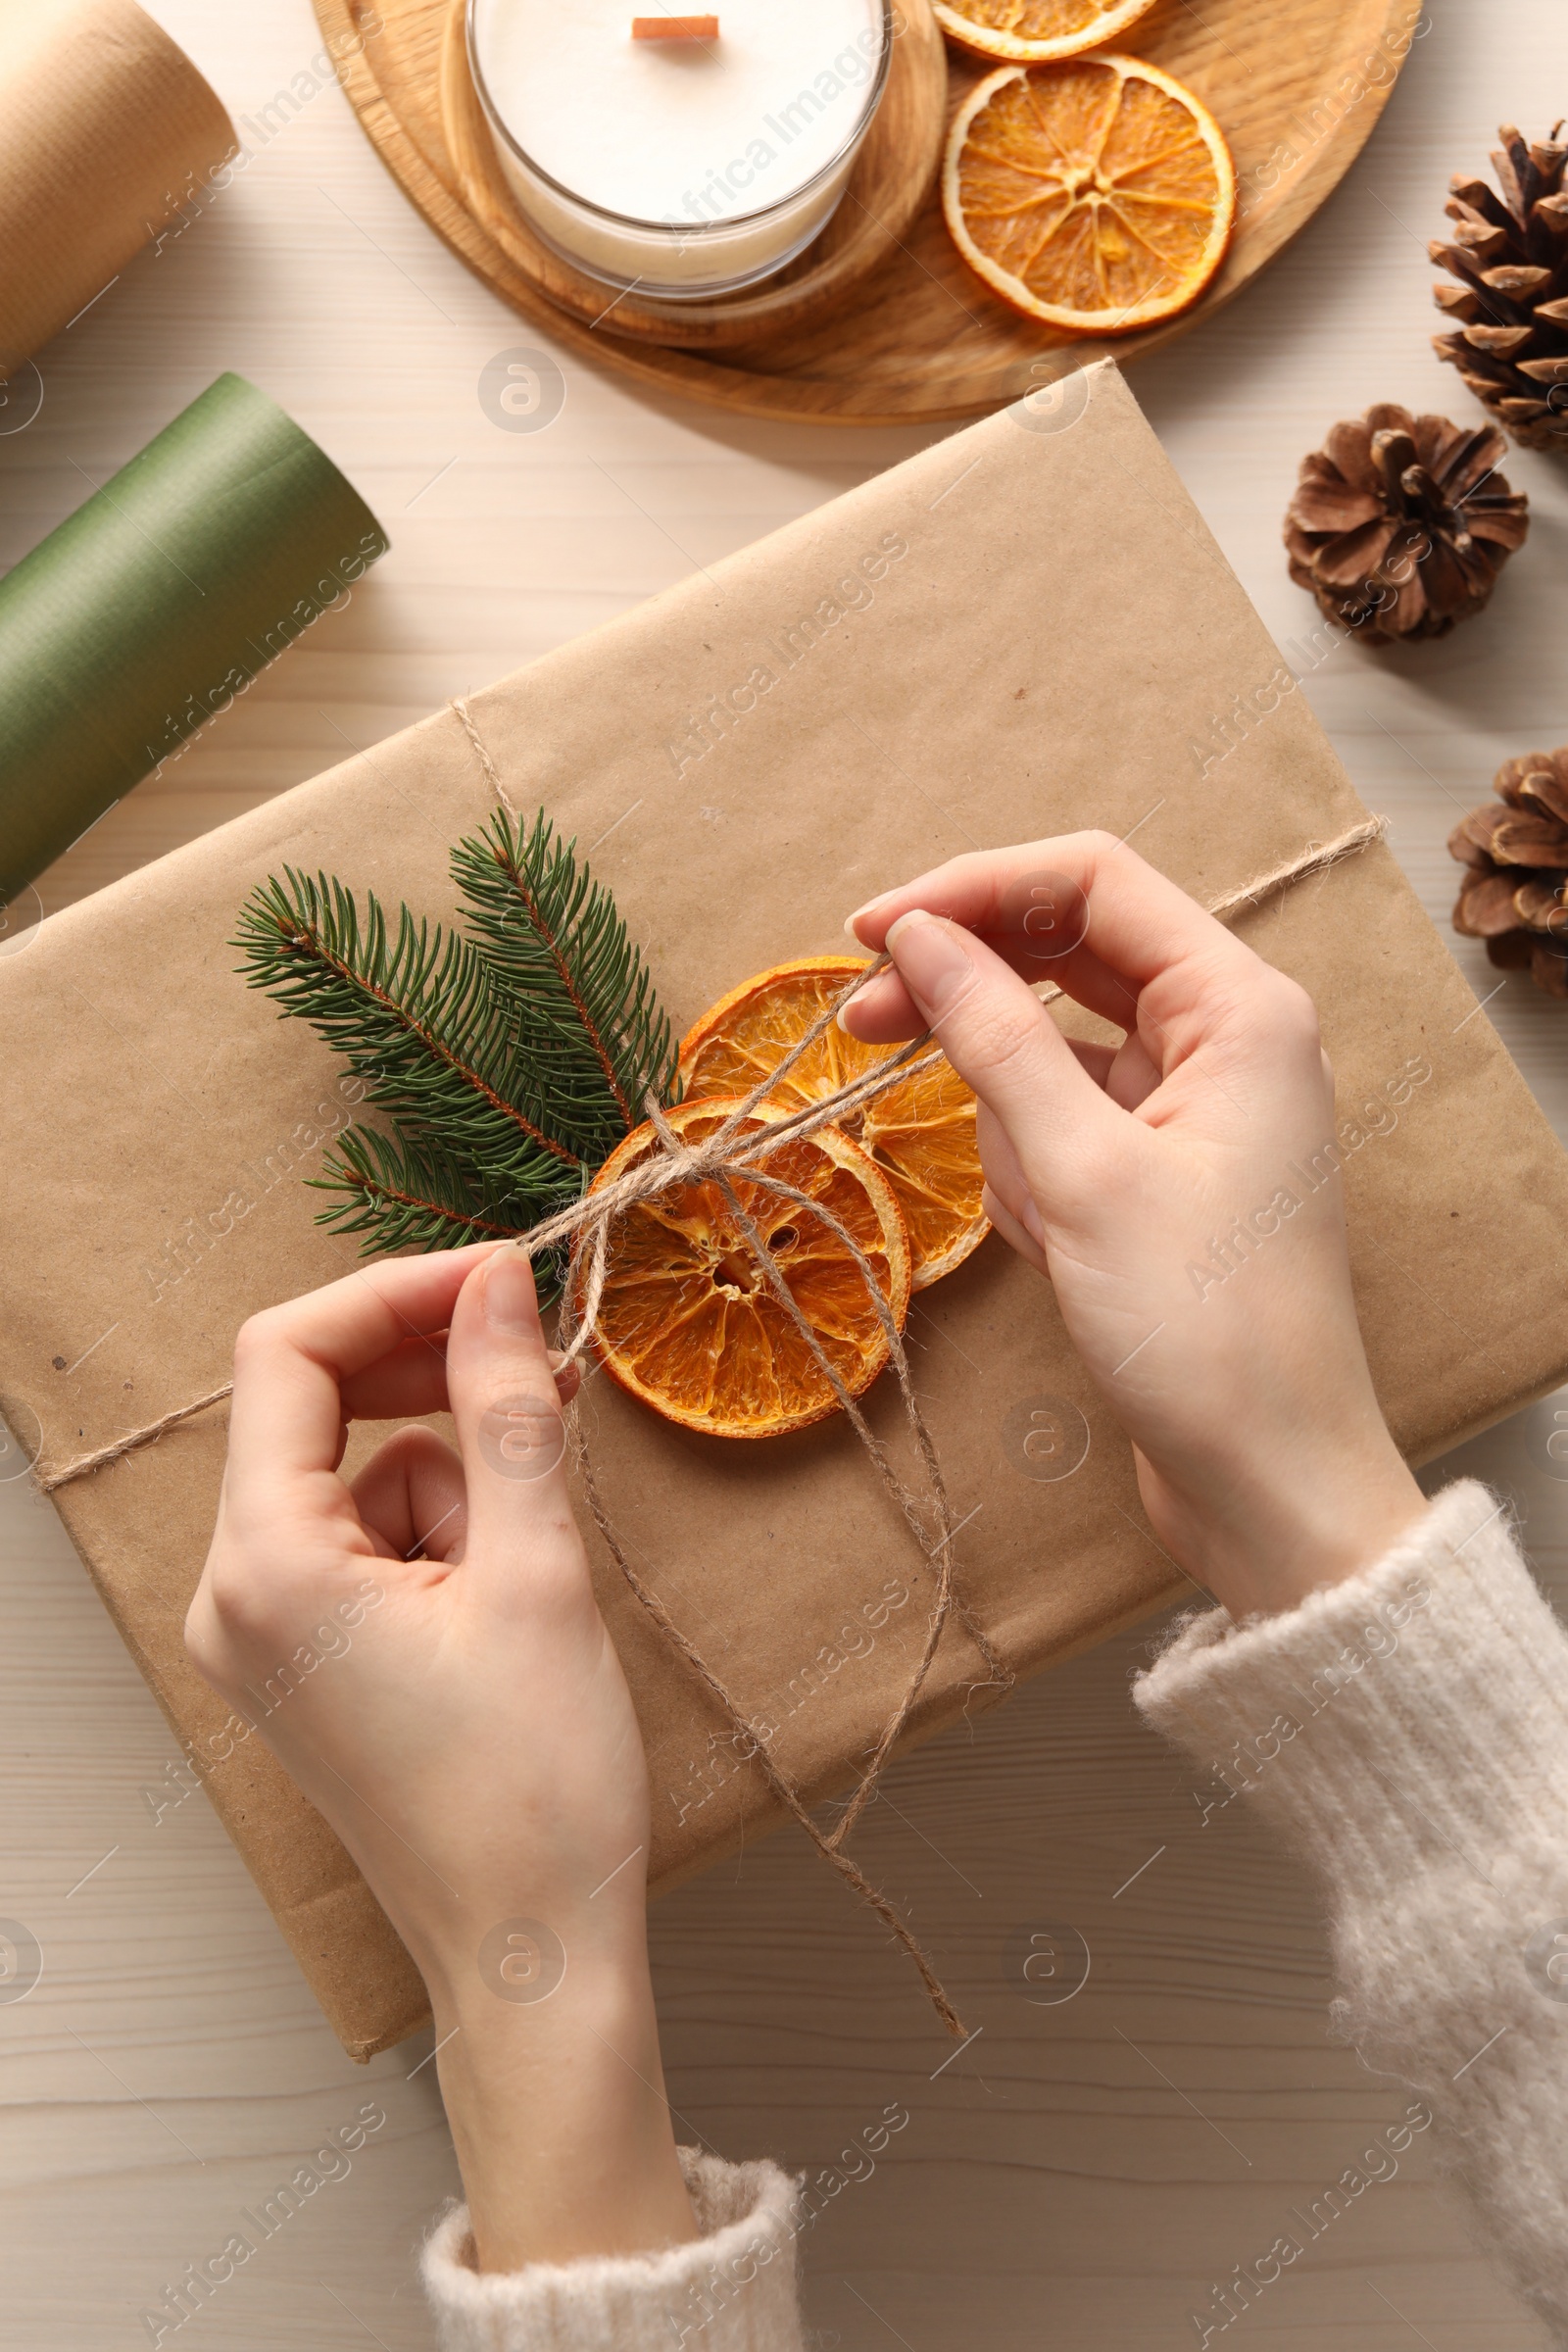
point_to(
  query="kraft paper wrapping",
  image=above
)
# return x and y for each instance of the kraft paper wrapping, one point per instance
(1018, 632)
(106, 126)
(139, 619)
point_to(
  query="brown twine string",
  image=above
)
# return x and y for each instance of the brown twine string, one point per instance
(826, 1842)
(722, 1156)
(938, 1549)
(459, 706)
(726, 1153)
(103, 1455)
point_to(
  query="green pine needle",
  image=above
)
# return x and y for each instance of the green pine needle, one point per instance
(509, 1064)
(583, 1004)
(411, 1195)
(415, 1016)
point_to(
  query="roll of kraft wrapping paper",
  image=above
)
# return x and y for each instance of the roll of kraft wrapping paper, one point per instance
(146, 612)
(105, 128)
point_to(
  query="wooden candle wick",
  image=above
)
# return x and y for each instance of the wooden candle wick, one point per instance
(674, 28)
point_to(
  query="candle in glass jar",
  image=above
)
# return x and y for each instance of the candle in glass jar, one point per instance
(682, 162)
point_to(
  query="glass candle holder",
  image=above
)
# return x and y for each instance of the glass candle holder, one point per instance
(685, 164)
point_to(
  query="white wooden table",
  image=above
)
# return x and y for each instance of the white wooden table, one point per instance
(1085, 2172)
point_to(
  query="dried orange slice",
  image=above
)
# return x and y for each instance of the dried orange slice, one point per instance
(1035, 29)
(689, 1322)
(921, 1134)
(1098, 195)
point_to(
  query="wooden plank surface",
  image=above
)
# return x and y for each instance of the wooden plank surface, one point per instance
(1086, 2171)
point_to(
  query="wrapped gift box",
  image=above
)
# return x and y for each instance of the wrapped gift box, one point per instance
(1023, 631)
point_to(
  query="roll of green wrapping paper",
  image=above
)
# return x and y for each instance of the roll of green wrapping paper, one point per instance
(137, 622)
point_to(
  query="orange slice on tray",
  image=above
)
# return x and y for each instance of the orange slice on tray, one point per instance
(689, 1322)
(1098, 195)
(1034, 29)
(921, 1133)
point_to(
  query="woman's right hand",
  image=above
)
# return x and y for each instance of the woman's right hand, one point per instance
(1180, 1190)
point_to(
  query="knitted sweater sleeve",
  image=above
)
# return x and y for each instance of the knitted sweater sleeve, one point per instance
(730, 2290)
(1407, 1730)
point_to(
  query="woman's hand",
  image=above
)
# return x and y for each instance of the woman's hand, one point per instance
(471, 1740)
(1135, 1176)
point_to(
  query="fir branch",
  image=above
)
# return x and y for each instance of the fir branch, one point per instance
(413, 1196)
(587, 1021)
(510, 1064)
(417, 1018)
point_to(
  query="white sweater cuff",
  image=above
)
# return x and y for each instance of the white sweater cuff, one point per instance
(1412, 1712)
(730, 2290)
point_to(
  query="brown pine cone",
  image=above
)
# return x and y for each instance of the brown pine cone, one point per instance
(1516, 851)
(1510, 257)
(1402, 525)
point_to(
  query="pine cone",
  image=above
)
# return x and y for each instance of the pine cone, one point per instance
(1403, 523)
(1516, 850)
(1510, 257)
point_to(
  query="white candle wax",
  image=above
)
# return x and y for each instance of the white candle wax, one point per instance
(685, 167)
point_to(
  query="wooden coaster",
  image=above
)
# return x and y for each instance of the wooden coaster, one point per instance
(1297, 94)
(892, 174)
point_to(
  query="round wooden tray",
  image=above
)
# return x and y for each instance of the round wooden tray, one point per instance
(1296, 93)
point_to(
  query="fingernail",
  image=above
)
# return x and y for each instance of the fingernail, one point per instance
(932, 962)
(870, 907)
(509, 1294)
